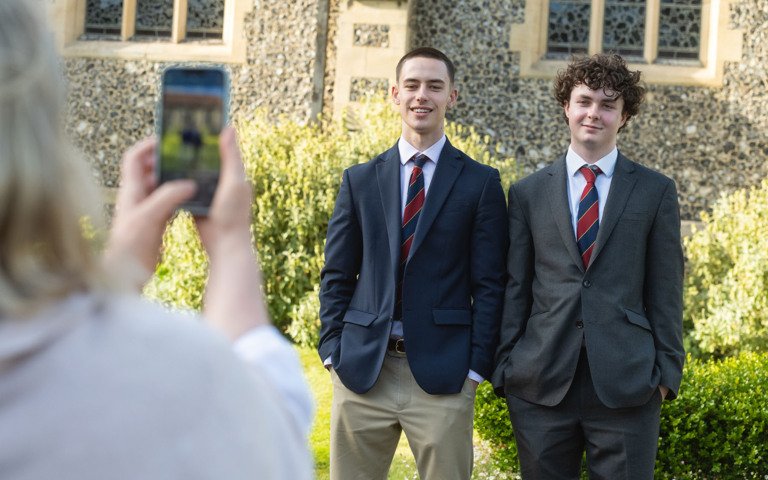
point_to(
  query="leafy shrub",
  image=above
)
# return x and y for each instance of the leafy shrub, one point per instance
(180, 276)
(726, 287)
(296, 170)
(492, 425)
(716, 429)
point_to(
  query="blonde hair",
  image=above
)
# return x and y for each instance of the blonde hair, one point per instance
(45, 190)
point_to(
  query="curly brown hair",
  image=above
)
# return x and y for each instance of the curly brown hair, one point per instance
(604, 71)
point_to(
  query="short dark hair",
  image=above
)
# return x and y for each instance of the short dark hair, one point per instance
(427, 52)
(606, 71)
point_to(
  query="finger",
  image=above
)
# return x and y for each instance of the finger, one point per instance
(231, 162)
(137, 172)
(160, 205)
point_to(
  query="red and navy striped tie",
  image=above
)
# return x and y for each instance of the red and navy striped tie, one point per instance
(414, 201)
(588, 216)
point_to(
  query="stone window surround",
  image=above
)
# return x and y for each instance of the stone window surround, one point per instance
(718, 45)
(68, 18)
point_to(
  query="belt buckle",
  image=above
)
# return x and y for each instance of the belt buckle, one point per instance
(400, 345)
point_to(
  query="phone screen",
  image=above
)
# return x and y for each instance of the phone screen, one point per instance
(193, 112)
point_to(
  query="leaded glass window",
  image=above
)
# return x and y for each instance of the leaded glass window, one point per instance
(205, 19)
(154, 18)
(679, 29)
(624, 28)
(666, 31)
(568, 31)
(103, 17)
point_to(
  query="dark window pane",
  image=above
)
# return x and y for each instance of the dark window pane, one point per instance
(624, 28)
(103, 18)
(568, 28)
(205, 19)
(679, 30)
(154, 18)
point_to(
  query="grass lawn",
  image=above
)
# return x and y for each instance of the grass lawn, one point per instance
(403, 465)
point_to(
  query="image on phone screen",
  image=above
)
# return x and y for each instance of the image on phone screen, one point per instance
(194, 110)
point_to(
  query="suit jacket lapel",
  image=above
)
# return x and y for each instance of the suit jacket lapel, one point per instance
(388, 177)
(557, 190)
(449, 166)
(621, 186)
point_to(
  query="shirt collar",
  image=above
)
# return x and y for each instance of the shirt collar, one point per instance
(407, 150)
(607, 164)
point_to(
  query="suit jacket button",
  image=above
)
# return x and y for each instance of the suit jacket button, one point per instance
(586, 283)
(579, 324)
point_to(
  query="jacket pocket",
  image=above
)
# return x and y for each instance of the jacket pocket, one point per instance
(637, 319)
(364, 319)
(452, 317)
(633, 216)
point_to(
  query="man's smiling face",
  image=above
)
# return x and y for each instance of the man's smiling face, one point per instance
(594, 118)
(423, 94)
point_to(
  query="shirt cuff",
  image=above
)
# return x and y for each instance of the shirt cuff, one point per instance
(473, 375)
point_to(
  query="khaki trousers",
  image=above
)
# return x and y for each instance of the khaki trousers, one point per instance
(365, 429)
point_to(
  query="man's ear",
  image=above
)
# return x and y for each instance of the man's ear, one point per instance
(395, 93)
(624, 118)
(567, 108)
(453, 97)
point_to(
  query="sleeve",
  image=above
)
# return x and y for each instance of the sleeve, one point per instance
(663, 290)
(488, 249)
(265, 349)
(343, 254)
(517, 295)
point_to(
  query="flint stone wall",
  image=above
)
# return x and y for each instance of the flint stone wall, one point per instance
(112, 102)
(710, 140)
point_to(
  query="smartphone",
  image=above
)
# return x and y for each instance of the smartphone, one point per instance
(193, 108)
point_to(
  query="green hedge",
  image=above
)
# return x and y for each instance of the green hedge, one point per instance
(492, 424)
(726, 285)
(296, 170)
(716, 429)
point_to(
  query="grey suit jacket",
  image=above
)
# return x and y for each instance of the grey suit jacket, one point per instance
(626, 306)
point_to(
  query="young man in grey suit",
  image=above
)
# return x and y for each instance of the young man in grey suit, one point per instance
(411, 290)
(591, 336)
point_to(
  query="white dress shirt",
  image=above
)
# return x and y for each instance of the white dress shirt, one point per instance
(406, 152)
(577, 182)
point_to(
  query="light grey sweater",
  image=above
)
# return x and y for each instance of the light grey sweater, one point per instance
(114, 387)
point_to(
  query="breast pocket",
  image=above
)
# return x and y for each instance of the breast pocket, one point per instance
(633, 216)
(453, 220)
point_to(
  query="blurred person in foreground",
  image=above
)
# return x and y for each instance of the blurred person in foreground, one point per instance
(96, 382)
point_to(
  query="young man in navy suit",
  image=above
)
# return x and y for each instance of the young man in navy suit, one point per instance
(591, 336)
(411, 290)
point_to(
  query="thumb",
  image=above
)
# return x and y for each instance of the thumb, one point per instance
(160, 205)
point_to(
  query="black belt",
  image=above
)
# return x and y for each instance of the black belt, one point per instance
(396, 345)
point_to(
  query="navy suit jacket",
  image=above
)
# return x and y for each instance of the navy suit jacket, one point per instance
(453, 284)
(626, 307)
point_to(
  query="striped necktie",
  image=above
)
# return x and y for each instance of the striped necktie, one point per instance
(414, 201)
(588, 216)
